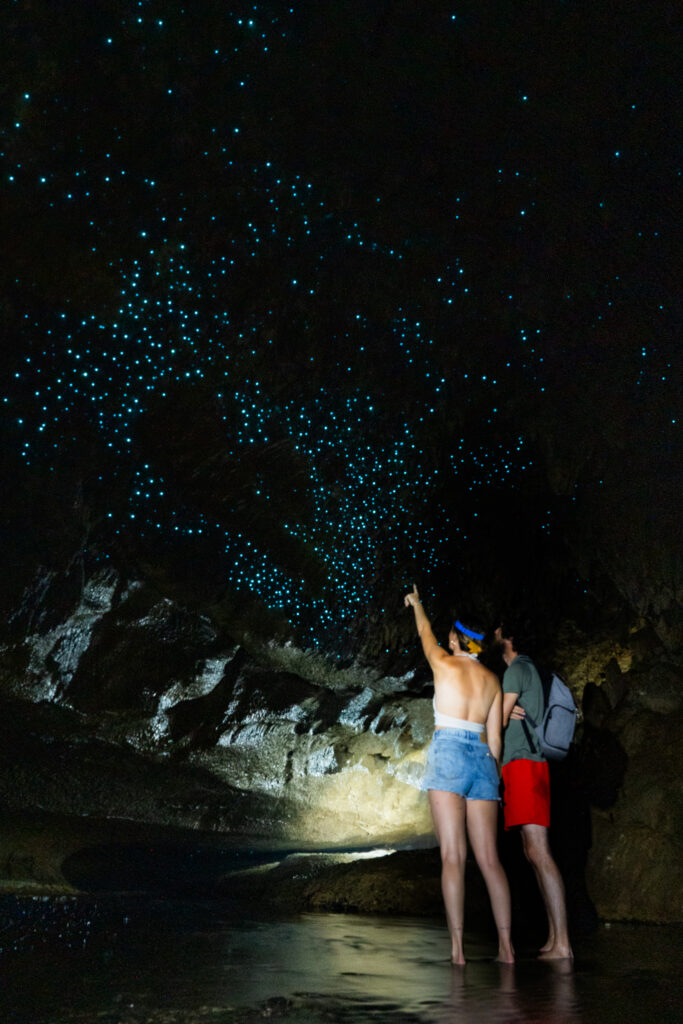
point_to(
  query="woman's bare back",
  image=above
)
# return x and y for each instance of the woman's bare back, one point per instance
(464, 688)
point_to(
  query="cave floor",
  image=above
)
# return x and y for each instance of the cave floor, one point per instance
(132, 959)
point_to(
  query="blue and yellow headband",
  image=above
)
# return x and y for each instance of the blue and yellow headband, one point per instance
(459, 628)
(474, 641)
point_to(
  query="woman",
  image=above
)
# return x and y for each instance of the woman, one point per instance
(462, 773)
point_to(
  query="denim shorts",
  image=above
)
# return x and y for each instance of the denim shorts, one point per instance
(459, 762)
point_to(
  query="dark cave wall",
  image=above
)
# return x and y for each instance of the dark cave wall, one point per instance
(136, 710)
(141, 676)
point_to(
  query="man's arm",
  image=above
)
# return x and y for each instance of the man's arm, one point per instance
(515, 679)
(511, 709)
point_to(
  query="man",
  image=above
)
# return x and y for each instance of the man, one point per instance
(526, 780)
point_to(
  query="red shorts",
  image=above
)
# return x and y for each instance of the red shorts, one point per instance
(526, 793)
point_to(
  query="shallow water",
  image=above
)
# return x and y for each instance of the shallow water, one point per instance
(131, 960)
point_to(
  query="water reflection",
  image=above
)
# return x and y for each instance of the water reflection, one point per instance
(168, 963)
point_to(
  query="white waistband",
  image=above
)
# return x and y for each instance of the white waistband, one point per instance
(449, 722)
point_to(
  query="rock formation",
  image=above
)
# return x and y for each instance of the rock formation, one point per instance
(133, 720)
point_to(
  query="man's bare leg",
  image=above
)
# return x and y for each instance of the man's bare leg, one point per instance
(482, 826)
(448, 815)
(537, 851)
(550, 941)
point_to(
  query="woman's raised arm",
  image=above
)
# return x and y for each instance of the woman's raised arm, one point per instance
(430, 646)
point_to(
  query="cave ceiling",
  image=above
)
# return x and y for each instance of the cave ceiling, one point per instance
(305, 304)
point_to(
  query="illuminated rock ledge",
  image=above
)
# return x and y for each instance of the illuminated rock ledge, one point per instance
(133, 724)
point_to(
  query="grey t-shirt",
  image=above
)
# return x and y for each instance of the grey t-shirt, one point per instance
(521, 677)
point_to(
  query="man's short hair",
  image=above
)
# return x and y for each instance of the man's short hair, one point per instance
(519, 629)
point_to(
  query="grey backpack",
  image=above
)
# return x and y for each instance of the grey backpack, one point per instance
(556, 730)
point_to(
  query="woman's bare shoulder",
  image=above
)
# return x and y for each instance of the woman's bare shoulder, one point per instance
(492, 684)
(491, 675)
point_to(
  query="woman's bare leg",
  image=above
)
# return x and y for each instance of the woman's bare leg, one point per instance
(482, 827)
(448, 815)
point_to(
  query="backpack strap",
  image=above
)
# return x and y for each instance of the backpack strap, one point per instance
(535, 739)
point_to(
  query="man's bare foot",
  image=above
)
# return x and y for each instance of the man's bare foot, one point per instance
(458, 960)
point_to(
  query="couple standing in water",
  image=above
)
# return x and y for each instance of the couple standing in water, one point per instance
(462, 781)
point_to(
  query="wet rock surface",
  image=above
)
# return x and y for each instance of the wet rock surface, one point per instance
(124, 959)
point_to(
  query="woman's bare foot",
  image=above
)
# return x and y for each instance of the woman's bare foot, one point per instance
(557, 952)
(457, 952)
(506, 952)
